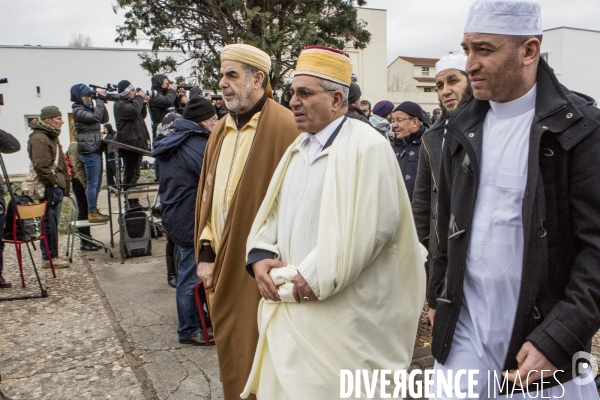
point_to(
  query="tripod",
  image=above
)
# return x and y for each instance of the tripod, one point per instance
(28, 240)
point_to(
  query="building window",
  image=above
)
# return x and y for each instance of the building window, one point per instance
(28, 119)
(428, 89)
(424, 71)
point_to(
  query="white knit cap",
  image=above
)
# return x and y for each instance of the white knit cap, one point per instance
(451, 61)
(501, 17)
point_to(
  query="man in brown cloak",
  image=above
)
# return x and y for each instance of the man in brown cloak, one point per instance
(241, 156)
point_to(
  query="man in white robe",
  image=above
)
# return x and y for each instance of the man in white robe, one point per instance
(516, 279)
(333, 248)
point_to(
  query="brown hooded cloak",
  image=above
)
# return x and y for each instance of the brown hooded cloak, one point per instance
(234, 297)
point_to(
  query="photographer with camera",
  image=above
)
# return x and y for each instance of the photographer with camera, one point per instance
(88, 119)
(8, 144)
(164, 95)
(130, 111)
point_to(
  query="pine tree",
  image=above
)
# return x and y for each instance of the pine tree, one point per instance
(200, 29)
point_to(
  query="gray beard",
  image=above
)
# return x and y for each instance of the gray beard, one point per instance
(239, 99)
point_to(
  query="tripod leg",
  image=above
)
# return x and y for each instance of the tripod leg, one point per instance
(20, 260)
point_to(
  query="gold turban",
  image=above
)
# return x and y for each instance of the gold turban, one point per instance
(249, 55)
(325, 63)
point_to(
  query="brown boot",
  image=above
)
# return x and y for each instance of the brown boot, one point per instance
(95, 217)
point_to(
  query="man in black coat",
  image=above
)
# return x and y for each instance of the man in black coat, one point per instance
(515, 287)
(453, 88)
(408, 127)
(8, 144)
(130, 111)
(164, 96)
(179, 154)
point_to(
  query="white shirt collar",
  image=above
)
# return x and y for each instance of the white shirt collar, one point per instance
(516, 107)
(323, 135)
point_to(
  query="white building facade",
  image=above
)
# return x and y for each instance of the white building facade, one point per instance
(573, 55)
(413, 79)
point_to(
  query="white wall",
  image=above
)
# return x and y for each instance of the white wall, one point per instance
(370, 64)
(55, 70)
(573, 55)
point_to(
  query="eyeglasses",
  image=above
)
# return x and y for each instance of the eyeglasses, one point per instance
(301, 94)
(400, 120)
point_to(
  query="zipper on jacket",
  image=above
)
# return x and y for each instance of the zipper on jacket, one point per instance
(435, 189)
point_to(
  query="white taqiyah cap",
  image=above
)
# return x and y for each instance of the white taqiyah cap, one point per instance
(500, 17)
(451, 61)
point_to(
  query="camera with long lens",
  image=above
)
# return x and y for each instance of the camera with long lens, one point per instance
(110, 92)
(2, 80)
(154, 93)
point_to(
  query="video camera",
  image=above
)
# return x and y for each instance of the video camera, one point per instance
(2, 80)
(154, 93)
(109, 95)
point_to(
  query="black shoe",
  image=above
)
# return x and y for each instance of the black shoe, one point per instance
(197, 340)
(172, 280)
(88, 247)
(4, 285)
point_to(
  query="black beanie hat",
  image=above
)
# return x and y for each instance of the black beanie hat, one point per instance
(124, 84)
(198, 109)
(354, 93)
(412, 109)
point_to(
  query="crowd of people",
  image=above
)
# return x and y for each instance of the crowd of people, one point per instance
(323, 223)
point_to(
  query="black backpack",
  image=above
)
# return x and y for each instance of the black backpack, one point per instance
(29, 229)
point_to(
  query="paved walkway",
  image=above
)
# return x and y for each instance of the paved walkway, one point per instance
(63, 346)
(108, 331)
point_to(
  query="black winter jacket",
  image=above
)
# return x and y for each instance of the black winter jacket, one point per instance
(407, 152)
(8, 144)
(179, 156)
(129, 117)
(164, 99)
(88, 127)
(559, 301)
(424, 199)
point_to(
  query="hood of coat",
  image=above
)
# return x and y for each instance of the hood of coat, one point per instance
(157, 81)
(38, 126)
(78, 92)
(379, 122)
(165, 146)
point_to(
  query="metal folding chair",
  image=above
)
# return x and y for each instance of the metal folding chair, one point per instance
(201, 303)
(23, 212)
(75, 225)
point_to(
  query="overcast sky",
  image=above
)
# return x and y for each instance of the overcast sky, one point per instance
(418, 28)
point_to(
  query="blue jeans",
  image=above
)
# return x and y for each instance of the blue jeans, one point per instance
(187, 309)
(93, 172)
(54, 198)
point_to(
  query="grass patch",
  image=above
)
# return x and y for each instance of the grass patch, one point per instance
(147, 175)
(65, 212)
